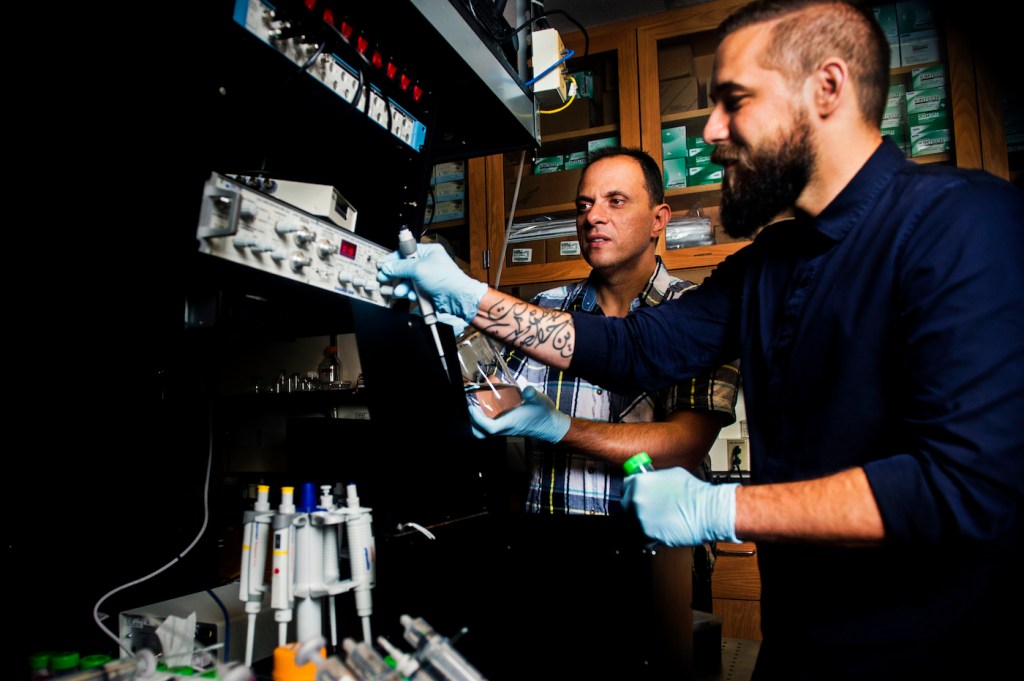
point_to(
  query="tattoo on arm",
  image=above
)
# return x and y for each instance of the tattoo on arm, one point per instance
(524, 325)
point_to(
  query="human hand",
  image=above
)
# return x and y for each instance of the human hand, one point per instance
(436, 275)
(535, 417)
(678, 509)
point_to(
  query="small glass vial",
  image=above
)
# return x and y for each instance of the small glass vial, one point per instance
(330, 369)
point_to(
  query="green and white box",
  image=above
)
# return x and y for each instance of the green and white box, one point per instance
(548, 164)
(885, 13)
(698, 152)
(576, 159)
(708, 173)
(926, 122)
(594, 145)
(927, 77)
(673, 142)
(931, 99)
(674, 171)
(935, 142)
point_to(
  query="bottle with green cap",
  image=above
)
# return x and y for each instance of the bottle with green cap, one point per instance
(39, 666)
(638, 463)
(64, 663)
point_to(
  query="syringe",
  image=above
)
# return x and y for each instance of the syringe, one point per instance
(407, 247)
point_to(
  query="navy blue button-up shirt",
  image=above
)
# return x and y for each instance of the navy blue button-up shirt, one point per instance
(888, 333)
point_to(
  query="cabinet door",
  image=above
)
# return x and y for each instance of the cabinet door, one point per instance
(736, 590)
(674, 52)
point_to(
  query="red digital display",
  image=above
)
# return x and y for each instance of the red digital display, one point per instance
(348, 249)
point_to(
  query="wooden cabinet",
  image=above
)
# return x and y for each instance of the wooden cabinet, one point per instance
(736, 590)
(631, 56)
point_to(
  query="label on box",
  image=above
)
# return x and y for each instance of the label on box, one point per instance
(569, 248)
(576, 159)
(928, 77)
(919, 48)
(522, 255)
(549, 164)
(931, 99)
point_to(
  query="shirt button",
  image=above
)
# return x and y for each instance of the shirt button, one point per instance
(590, 470)
(599, 391)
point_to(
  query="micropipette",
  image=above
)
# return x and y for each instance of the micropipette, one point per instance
(407, 247)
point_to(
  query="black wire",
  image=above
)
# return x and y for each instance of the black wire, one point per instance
(586, 36)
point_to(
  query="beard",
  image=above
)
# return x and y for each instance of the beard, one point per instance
(764, 182)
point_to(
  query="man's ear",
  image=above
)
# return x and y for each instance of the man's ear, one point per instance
(829, 84)
(662, 214)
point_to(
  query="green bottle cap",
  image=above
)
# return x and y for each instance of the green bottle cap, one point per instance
(38, 661)
(93, 661)
(64, 661)
(638, 463)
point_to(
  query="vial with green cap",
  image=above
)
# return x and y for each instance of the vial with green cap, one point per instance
(638, 463)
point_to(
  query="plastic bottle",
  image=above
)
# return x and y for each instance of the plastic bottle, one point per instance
(638, 463)
(330, 369)
(64, 663)
(39, 666)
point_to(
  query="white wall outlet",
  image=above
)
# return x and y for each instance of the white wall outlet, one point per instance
(740, 448)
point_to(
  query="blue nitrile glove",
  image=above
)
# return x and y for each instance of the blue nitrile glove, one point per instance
(535, 417)
(678, 509)
(435, 274)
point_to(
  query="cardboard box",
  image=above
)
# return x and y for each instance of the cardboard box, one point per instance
(579, 115)
(921, 124)
(446, 172)
(525, 253)
(702, 68)
(449, 191)
(673, 142)
(561, 249)
(675, 61)
(543, 190)
(886, 16)
(678, 95)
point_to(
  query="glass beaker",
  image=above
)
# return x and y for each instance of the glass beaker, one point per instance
(486, 379)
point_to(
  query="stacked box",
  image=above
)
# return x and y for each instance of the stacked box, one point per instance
(708, 173)
(698, 152)
(927, 77)
(894, 117)
(449, 191)
(445, 210)
(919, 37)
(446, 172)
(576, 159)
(548, 164)
(886, 16)
(673, 142)
(674, 172)
(677, 83)
(931, 99)
(927, 121)
(594, 145)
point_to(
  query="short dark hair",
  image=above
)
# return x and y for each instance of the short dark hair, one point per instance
(811, 30)
(652, 173)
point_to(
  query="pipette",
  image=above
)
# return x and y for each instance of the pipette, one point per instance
(407, 247)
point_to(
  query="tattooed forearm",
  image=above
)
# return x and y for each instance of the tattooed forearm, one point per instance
(529, 326)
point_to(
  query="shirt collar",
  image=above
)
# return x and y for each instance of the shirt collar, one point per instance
(585, 298)
(862, 192)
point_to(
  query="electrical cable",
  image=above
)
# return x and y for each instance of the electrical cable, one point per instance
(202, 531)
(572, 98)
(568, 55)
